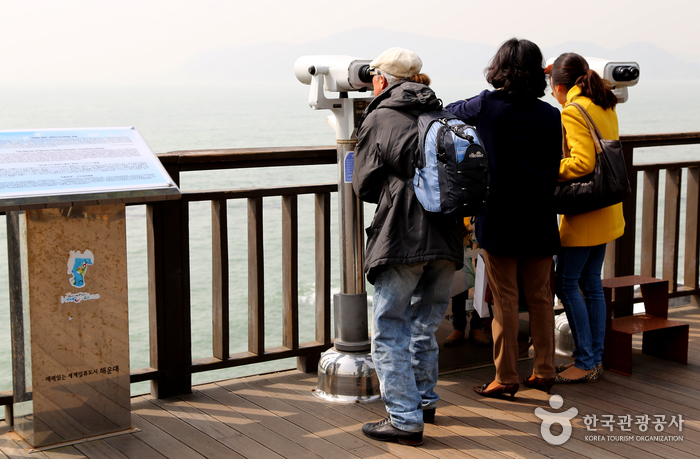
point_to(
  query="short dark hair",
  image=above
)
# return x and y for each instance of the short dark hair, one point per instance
(518, 69)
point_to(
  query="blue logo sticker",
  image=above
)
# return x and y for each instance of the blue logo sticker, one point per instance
(349, 165)
(460, 153)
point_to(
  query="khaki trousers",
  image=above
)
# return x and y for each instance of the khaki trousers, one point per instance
(535, 275)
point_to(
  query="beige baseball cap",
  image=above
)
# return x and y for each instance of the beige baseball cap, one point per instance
(399, 62)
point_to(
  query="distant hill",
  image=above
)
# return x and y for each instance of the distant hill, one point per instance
(443, 59)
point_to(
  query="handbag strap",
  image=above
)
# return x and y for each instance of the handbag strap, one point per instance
(565, 151)
(595, 132)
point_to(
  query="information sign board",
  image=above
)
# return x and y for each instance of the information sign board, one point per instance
(59, 167)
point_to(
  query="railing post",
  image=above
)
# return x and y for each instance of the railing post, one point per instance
(169, 295)
(692, 233)
(220, 280)
(672, 216)
(290, 272)
(650, 207)
(625, 245)
(256, 278)
(323, 267)
(322, 215)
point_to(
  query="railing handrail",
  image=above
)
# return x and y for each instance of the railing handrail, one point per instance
(661, 140)
(232, 158)
(668, 165)
(190, 160)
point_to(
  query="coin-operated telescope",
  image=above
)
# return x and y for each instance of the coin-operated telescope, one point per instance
(620, 74)
(346, 372)
(340, 74)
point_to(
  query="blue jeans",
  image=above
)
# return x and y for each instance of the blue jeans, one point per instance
(581, 267)
(409, 304)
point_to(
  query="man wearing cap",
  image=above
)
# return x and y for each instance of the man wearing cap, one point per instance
(411, 254)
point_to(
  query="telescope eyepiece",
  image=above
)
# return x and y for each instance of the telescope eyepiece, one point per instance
(625, 73)
(365, 74)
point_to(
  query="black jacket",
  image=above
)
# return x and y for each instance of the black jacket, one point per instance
(401, 232)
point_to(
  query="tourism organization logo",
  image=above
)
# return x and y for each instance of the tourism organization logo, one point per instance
(549, 419)
(605, 425)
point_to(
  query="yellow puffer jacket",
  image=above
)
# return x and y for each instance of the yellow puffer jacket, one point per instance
(599, 226)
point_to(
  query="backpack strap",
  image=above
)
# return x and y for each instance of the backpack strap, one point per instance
(440, 143)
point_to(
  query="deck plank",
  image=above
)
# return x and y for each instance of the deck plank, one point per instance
(281, 403)
(199, 419)
(361, 413)
(294, 425)
(298, 395)
(282, 437)
(166, 415)
(511, 416)
(160, 440)
(434, 447)
(63, 453)
(250, 440)
(276, 416)
(11, 449)
(99, 448)
(537, 397)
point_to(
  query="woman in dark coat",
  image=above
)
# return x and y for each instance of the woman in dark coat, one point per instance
(518, 229)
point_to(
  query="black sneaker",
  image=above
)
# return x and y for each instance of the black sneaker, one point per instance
(429, 415)
(384, 431)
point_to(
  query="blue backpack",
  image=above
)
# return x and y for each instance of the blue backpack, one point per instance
(452, 167)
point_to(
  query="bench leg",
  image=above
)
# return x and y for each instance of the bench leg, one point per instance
(617, 356)
(667, 343)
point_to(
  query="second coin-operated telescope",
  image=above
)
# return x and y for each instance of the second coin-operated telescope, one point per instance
(620, 74)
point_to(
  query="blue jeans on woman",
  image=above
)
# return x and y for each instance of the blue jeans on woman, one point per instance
(580, 267)
(409, 304)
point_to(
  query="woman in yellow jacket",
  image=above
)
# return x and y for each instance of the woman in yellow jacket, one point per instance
(584, 236)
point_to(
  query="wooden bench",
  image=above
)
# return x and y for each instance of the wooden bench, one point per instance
(661, 337)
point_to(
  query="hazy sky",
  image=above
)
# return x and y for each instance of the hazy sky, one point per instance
(95, 40)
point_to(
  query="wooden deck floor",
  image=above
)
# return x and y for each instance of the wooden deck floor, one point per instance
(274, 416)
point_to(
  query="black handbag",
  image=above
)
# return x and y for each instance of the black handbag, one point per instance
(608, 184)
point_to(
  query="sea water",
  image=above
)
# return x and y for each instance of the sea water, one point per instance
(175, 117)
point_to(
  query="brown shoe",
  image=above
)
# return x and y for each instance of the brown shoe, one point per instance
(498, 390)
(543, 384)
(454, 339)
(479, 338)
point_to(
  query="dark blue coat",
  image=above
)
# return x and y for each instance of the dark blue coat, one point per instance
(522, 137)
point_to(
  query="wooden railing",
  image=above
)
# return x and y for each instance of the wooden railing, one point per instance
(169, 283)
(622, 259)
(171, 360)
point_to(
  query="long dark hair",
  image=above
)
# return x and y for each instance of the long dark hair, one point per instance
(517, 69)
(571, 69)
